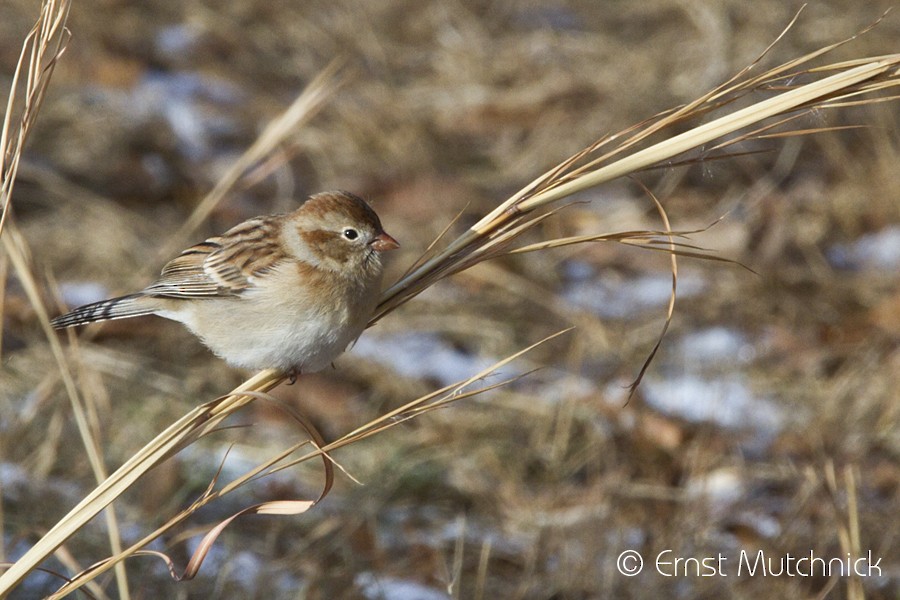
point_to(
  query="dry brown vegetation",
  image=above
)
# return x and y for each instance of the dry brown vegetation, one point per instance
(768, 421)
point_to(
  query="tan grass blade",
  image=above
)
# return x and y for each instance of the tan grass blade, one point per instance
(670, 309)
(193, 425)
(43, 47)
(713, 130)
(431, 401)
(201, 421)
(13, 246)
(284, 507)
(304, 107)
(872, 75)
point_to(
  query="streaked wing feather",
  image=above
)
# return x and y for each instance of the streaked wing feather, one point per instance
(222, 265)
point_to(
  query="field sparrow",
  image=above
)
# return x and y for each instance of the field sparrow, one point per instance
(289, 291)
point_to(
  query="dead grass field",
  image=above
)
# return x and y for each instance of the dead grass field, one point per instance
(769, 421)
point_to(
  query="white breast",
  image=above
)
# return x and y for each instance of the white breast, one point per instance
(278, 324)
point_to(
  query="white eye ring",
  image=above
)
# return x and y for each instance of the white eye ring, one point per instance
(350, 233)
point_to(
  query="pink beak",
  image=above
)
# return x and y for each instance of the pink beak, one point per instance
(384, 242)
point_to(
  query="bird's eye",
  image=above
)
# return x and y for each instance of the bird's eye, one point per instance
(350, 233)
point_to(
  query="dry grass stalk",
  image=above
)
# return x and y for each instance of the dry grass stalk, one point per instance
(845, 503)
(43, 47)
(41, 50)
(304, 107)
(612, 157)
(204, 420)
(586, 170)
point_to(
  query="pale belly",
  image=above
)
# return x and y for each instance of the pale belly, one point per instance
(285, 338)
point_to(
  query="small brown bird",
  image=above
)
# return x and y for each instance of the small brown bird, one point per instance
(288, 291)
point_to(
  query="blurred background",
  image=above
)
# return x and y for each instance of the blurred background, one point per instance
(769, 420)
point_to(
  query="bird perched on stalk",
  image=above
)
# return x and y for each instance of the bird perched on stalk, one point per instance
(288, 291)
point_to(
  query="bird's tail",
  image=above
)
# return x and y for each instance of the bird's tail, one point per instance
(105, 310)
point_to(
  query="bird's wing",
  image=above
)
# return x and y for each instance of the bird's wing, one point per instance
(223, 265)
